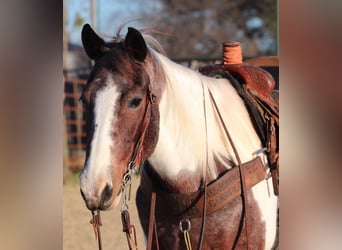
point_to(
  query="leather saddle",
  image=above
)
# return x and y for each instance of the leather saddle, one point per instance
(256, 86)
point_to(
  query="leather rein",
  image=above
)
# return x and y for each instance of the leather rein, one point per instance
(241, 171)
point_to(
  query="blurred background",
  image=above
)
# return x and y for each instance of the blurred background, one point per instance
(191, 32)
(188, 29)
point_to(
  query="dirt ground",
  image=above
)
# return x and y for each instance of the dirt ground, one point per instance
(78, 232)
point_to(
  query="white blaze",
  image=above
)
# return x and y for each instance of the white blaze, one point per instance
(97, 167)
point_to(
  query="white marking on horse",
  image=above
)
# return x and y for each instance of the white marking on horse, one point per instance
(97, 170)
(182, 117)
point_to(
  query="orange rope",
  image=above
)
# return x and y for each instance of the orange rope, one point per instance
(232, 53)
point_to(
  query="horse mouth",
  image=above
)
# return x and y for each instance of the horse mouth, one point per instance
(94, 204)
(112, 203)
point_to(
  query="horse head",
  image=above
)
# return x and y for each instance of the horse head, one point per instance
(122, 114)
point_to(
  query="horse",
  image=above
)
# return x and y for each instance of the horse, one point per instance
(142, 109)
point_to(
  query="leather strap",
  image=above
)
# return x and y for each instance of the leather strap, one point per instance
(129, 229)
(190, 205)
(137, 157)
(96, 222)
(152, 228)
(241, 171)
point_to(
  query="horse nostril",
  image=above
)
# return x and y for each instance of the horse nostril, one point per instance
(97, 200)
(106, 193)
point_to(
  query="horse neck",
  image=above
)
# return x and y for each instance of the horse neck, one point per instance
(183, 151)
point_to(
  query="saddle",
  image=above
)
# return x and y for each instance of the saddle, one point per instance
(256, 86)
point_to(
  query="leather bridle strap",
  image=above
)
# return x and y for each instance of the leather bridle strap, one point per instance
(136, 161)
(136, 158)
(129, 229)
(242, 176)
(152, 227)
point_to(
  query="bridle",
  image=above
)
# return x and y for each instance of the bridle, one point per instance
(136, 158)
(133, 167)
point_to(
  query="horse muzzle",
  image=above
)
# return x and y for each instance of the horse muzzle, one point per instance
(98, 197)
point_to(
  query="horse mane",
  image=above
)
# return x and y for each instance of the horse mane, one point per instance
(187, 127)
(186, 91)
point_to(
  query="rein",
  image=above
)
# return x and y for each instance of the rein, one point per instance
(241, 171)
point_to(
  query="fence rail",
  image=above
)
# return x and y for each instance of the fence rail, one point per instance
(74, 123)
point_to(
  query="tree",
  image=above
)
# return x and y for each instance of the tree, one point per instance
(198, 28)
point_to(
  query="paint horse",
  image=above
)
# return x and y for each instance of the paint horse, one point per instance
(143, 108)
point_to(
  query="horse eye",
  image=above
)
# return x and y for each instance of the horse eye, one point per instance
(134, 102)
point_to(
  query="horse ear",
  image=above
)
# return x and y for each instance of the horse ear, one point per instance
(135, 45)
(93, 45)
